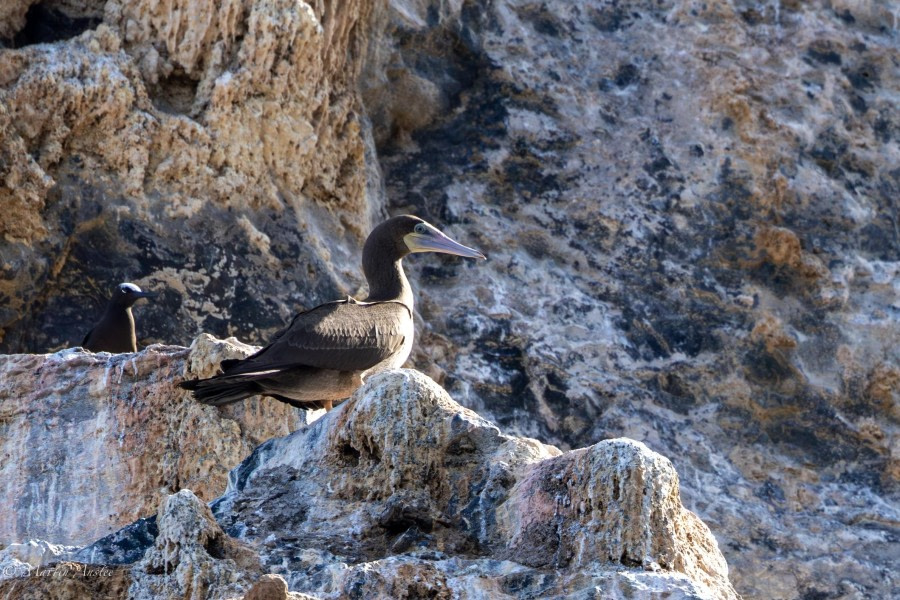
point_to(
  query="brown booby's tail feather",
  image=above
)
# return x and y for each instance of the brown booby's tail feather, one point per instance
(220, 393)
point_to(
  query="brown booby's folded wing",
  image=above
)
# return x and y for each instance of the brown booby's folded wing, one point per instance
(344, 336)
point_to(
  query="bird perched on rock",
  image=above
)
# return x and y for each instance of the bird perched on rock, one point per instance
(326, 352)
(115, 331)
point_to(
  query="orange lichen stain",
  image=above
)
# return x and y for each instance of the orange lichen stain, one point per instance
(781, 247)
(770, 331)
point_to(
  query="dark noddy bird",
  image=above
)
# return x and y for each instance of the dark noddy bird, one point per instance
(115, 331)
(326, 352)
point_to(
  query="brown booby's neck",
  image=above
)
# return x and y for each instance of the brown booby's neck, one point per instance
(388, 282)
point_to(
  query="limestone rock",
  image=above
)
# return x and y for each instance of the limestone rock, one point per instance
(68, 581)
(12, 17)
(400, 492)
(128, 143)
(26, 558)
(269, 587)
(687, 209)
(273, 587)
(698, 198)
(93, 441)
(613, 502)
(192, 553)
(404, 483)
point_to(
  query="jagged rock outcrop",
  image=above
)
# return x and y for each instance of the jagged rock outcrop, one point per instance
(191, 556)
(21, 559)
(90, 442)
(404, 468)
(689, 208)
(400, 492)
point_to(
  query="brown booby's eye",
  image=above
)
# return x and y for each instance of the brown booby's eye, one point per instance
(421, 229)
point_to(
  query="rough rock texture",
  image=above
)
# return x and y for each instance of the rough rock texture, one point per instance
(191, 556)
(403, 468)
(193, 147)
(691, 215)
(69, 581)
(273, 587)
(402, 493)
(690, 210)
(12, 18)
(22, 559)
(90, 442)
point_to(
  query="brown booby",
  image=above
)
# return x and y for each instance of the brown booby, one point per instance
(326, 352)
(115, 331)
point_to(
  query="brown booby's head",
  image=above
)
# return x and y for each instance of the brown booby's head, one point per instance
(127, 294)
(399, 236)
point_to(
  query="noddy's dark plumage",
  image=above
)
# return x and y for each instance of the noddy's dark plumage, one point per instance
(326, 352)
(115, 331)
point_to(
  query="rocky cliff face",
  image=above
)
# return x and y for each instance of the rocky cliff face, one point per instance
(91, 442)
(128, 147)
(690, 211)
(401, 492)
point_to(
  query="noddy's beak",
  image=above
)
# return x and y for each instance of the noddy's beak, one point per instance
(146, 294)
(435, 241)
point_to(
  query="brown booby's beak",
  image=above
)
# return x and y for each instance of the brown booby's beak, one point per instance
(429, 239)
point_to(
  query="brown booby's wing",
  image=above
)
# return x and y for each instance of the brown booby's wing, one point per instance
(344, 336)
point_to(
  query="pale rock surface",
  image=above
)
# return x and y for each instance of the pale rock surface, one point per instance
(402, 493)
(191, 556)
(689, 208)
(90, 442)
(423, 491)
(22, 559)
